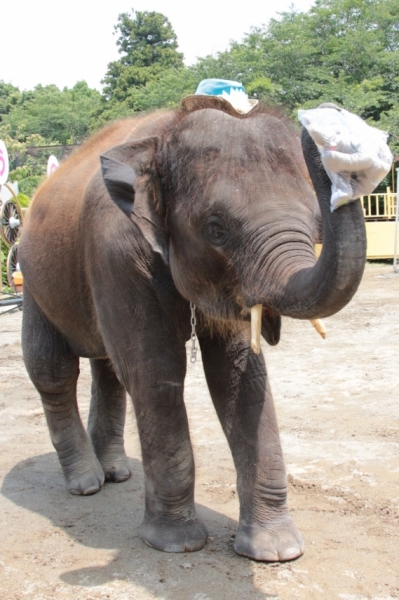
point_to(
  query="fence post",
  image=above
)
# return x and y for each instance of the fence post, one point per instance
(395, 253)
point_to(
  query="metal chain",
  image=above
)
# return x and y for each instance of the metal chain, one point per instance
(193, 322)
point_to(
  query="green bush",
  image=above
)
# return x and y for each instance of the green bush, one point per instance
(3, 258)
(24, 200)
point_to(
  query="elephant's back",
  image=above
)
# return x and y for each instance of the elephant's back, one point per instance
(53, 218)
(51, 251)
(57, 202)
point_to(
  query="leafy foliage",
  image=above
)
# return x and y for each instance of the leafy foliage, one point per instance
(33, 171)
(61, 117)
(3, 262)
(9, 96)
(23, 200)
(164, 90)
(148, 45)
(345, 51)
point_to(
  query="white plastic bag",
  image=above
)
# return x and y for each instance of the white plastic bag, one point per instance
(355, 156)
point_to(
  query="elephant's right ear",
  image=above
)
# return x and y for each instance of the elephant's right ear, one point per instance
(131, 179)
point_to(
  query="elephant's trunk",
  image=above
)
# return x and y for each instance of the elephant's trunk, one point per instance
(310, 292)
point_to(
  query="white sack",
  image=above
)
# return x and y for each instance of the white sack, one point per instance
(355, 156)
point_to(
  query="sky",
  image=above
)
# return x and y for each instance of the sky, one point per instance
(47, 42)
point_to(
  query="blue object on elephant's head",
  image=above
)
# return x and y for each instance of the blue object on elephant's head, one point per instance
(215, 87)
(222, 94)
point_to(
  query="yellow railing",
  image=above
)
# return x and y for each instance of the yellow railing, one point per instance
(379, 213)
(379, 207)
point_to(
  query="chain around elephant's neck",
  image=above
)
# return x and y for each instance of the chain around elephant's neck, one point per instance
(193, 321)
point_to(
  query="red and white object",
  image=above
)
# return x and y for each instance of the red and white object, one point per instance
(4, 163)
(52, 165)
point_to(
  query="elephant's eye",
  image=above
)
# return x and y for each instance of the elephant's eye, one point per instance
(216, 231)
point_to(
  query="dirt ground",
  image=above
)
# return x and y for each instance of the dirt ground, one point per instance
(337, 404)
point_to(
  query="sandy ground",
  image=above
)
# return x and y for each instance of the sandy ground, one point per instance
(337, 404)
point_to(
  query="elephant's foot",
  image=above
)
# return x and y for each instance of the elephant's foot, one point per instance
(187, 536)
(116, 466)
(84, 476)
(277, 540)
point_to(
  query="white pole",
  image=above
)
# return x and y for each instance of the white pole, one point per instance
(395, 254)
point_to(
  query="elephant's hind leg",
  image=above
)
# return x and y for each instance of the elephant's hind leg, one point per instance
(54, 371)
(107, 421)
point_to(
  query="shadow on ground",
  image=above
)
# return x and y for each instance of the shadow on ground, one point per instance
(110, 520)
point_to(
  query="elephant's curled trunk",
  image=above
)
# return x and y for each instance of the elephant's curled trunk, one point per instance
(323, 289)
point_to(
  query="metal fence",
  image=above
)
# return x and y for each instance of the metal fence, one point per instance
(42, 153)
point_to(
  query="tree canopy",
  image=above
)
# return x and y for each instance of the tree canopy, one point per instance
(41, 117)
(344, 51)
(59, 116)
(148, 45)
(339, 50)
(9, 96)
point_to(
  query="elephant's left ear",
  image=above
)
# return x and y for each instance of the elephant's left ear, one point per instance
(131, 179)
(119, 180)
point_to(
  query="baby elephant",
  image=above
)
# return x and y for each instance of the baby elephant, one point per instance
(196, 205)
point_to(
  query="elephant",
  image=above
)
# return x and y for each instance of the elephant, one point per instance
(197, 206)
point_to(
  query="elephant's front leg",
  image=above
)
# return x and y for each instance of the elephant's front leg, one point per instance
(240, 390)
(170, 520)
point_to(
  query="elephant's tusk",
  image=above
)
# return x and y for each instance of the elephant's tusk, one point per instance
(256, 326)
(318, 325)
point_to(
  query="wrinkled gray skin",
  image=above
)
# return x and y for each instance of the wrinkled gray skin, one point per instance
(193, 205)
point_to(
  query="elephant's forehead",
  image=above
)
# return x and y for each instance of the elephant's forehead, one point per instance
(224, 160)
(213, 129)
(254, 196)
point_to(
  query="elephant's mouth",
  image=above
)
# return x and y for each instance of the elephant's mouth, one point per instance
(266, 323)
(270, 326)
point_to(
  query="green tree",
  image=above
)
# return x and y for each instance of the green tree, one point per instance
(165, 90)
(341, 50)
(9, 96)
(59, 116)
(34, 168)
(148, 45)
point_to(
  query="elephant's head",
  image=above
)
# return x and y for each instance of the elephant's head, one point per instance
(228, 198)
